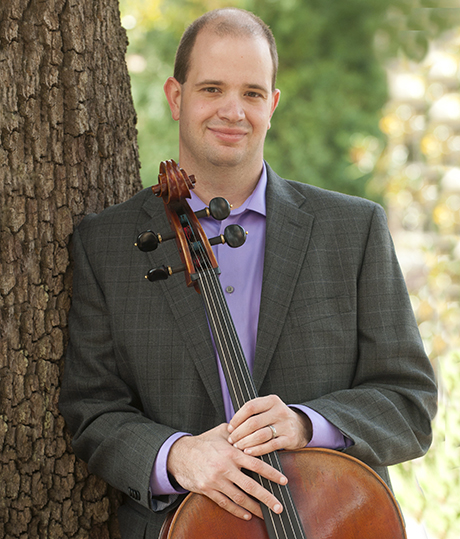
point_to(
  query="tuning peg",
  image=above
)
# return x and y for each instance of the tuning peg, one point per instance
(233, 236)
(163, 272)
(219, 209)
(149, 241)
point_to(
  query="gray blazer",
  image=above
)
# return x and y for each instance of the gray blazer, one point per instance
(336, 333)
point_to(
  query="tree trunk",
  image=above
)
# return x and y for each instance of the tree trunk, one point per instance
(67, 148)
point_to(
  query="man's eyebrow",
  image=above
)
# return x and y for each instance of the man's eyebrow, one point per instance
(258, 87)
(209, 82)
(249, 86)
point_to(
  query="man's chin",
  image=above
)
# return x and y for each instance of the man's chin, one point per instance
(226, 159)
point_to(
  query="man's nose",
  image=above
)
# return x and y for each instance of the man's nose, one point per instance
(231, 109)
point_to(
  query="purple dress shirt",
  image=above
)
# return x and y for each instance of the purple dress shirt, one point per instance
(241, 280)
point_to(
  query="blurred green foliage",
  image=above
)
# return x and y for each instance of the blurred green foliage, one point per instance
(332, 80)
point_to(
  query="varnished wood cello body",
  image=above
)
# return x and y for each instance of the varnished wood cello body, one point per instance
(337, 497)
(330, 495)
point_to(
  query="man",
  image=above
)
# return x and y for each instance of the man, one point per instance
(316, 294)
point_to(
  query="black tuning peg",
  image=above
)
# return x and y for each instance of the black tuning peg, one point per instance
(149, 241)
(163, 272)
(233, 236)
(158, 274)
(219, 209)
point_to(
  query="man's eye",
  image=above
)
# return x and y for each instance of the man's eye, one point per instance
(211, 90)
(253, 94)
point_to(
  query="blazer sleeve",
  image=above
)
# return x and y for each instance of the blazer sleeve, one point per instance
(103, 412)
(388, 408)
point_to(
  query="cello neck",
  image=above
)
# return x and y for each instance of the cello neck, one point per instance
(241, 387)
(234, 365)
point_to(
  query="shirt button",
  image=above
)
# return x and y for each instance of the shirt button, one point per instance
(229, 289)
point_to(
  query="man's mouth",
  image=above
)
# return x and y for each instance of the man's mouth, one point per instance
(229, 135)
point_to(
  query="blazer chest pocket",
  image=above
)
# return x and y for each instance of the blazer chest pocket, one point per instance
(306, 313)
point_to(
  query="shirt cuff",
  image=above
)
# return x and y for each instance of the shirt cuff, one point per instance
(160, 481)
(324, 433)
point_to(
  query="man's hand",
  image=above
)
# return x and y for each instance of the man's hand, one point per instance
(250, 428)
(209, 465)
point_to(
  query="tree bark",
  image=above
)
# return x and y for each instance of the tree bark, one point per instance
(67, 148)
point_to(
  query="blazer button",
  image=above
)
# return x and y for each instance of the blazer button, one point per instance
(135, 494)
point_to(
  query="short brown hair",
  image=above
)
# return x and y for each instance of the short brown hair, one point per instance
(223, 22)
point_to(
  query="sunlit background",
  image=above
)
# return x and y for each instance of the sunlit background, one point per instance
(370, 106)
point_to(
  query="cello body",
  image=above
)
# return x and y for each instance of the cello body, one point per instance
(336, 496)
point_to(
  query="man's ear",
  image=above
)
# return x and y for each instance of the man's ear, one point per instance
(173, 90)
(275, 100)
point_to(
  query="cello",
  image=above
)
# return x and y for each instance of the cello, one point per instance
(330, 495)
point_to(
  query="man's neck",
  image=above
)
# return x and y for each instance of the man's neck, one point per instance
(233, 184)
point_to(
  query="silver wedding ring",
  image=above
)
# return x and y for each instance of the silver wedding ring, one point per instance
(274, 435)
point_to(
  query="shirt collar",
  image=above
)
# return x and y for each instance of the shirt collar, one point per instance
(255, 201)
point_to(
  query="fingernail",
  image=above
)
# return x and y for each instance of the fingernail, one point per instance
(277, 508)
(247, 517)
(284, 480)
(230, 441)
(248, 451)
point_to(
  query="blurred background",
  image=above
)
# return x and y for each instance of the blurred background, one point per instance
(370, 106)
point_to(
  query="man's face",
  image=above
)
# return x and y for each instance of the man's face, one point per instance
(225, 105)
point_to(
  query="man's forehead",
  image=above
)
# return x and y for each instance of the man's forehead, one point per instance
(209, 35)
(210, 45)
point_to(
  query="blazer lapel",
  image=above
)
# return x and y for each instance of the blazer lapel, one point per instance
(186, 304)
(287, 237)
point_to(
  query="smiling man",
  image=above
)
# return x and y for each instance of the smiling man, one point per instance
(316, 294)
(224, 109)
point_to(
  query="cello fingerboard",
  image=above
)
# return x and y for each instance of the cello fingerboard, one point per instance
(286, 525)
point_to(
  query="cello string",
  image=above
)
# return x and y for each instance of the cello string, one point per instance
(271, 487)
(281, 492)
(213, 291)
(209, 283)
(272, 458)
(212, 284)
(237, 383)
(215, 283)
